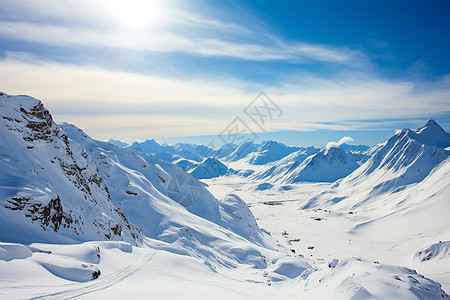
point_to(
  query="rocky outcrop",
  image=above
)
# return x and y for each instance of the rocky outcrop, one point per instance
(57, 184)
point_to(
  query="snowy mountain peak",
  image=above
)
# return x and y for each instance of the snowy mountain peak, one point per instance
(242, 151)
(272, 144)
(432, 134)
(209, 168)
(406, 158)
(430, 123)
(270, 151)
(334, 151)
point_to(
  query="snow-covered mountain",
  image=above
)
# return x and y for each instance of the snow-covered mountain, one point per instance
(354, 148)
(225, 150)
(209, 168)
(60, 188)
(50, 188)
(157, 195)
(268, 152)
(192, 151)
(58, 184)
(117, 143)
(327, 165)
(406, 159)
(403, 193)
(242, 151)
(149, 146)
(278, 169)
(201, 161)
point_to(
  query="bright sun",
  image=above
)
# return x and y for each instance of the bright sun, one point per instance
(136, 14)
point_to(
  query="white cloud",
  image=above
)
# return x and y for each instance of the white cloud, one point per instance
(162, 40)
(102, 23)
(129, 106)
(345, 139)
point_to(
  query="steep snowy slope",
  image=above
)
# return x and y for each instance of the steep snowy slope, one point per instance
(242, 151)
(225, 150)
(327, 165)
(406, 158)
(50, 188)
(417, 208)
(161, 197)
(276, 170)
(405, 186)
(268, 152)
(209, 168)
(361, 153)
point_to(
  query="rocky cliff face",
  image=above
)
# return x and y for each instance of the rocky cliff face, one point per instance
(49, 182)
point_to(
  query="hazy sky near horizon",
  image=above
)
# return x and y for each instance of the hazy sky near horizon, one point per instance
(159, 69)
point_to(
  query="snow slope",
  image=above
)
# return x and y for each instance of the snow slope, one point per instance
(403, 193)
(268, 152)
(225, 150)
(242, 151)
(165, 201)
(344, 263)
(209, 168)
(327, 165)
(406, 158)
(50, 188)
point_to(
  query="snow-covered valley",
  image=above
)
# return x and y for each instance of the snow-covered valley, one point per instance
(81, 218)
(324, 234)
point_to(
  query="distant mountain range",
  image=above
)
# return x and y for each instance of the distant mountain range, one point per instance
(280, 159)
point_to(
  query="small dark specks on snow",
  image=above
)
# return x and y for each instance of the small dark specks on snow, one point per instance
(311, 247)
(318, 219)
(95, 274)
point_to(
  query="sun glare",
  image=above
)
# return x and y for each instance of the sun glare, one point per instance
(135, 14)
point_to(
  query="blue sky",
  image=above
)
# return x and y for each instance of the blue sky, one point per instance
(177, 70)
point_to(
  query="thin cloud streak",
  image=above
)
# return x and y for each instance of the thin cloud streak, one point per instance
(166, 41)
(210, 104)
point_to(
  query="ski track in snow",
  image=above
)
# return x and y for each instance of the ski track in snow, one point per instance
(80, 289)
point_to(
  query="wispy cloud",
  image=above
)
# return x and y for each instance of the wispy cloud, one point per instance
(151, 106)
(167, 41)
(96, 24)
